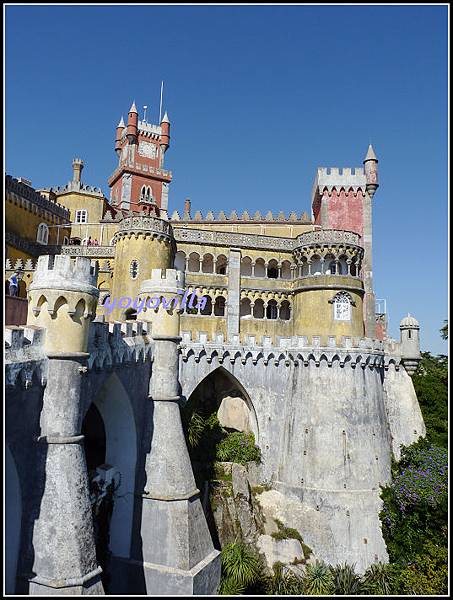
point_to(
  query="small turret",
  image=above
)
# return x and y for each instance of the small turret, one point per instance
(132, 124)
(371, 171)
(63, 298)
(410, 343)
(164, 138)
(77, 167)
(167, 284)
(119, 135)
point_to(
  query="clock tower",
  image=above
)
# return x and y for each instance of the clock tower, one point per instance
(140, 183)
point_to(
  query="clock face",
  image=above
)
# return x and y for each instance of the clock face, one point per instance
(147, 149)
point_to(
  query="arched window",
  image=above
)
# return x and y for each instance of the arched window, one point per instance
(245, 308)
(221, 264)
(272, 269)
(342, 307)
(219, 306)
(271, 309)
(65, 241)
(43, 234)
(334, 268)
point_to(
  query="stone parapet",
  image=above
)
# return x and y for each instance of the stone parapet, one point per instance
(145, 226)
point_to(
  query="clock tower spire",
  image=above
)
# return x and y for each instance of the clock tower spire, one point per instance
(140, 183)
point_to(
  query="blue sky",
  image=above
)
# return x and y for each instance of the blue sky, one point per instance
(258, 98)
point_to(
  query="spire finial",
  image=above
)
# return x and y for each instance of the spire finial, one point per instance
(133, 108)
(370, 155)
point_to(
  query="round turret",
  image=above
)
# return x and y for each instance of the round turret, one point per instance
(142, 243)
(410, 343)
(371, 171)
(63, 298)
(163, 294)
(132, 124)
(77, 167)
(409, 322)
(119, 134)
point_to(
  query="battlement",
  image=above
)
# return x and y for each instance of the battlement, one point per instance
(339, 178)
(61, 272)
(75, 186)
(25, 358)
(163, 280)
(111, 344)
(293, 342)
(148, 128)
(27, 196)
(269, 217)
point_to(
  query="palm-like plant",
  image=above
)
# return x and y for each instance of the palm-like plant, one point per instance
(240, 564)
(195, 429)
(318, 579)
(379, 579)
(230, 587)
(283, 582)
(346, 580)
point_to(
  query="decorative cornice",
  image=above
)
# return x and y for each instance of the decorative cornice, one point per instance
(16, 189)
(328, 236)
(144, 225)
(224, 238)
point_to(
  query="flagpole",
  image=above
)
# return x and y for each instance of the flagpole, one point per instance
(161, 95)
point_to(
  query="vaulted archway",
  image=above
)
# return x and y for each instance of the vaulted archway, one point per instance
(111, 454)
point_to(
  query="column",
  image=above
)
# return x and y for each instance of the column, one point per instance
(234, 292)
(63, 540)
(369, 305)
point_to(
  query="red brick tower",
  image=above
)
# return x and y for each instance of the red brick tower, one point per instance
(140, 183)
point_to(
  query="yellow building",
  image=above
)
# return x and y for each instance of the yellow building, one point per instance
(265, 277)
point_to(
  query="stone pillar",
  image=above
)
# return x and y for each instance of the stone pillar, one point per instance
(325, 210)
(178, 555)
(63, 539)
(369, 300)
(63, 298)
(234, 292)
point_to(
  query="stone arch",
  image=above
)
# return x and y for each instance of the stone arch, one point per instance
(220, 384)
(13, 518)
(207, 264)
(246, 266)
(115, 409)
(180, 261)
(194, 262)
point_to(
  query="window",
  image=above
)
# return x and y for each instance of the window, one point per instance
(65, 241)
(81, 216)
(333, 268)
(43, 234)
(342, 307)
(133, 269)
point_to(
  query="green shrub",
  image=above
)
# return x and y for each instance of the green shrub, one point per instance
(346, 580)
(415, 503)
(427, 573)
(379, 579)
(318, 579)
(238, 447)
(240, 564)
(283, 582)
(431, 386)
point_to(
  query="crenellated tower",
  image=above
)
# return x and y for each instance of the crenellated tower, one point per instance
(140, 183)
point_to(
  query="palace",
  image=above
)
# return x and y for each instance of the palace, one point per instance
(287, 344)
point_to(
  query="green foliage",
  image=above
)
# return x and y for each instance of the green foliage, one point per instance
(346, 580)
(241, 566)
(318, 579)
(427, 573)
(230, 587)
(283, 582)
(415, 503)
(195, 429)
(444, 330)
(286, 533)
(238, 447)
(431, 386)
(379, 579)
